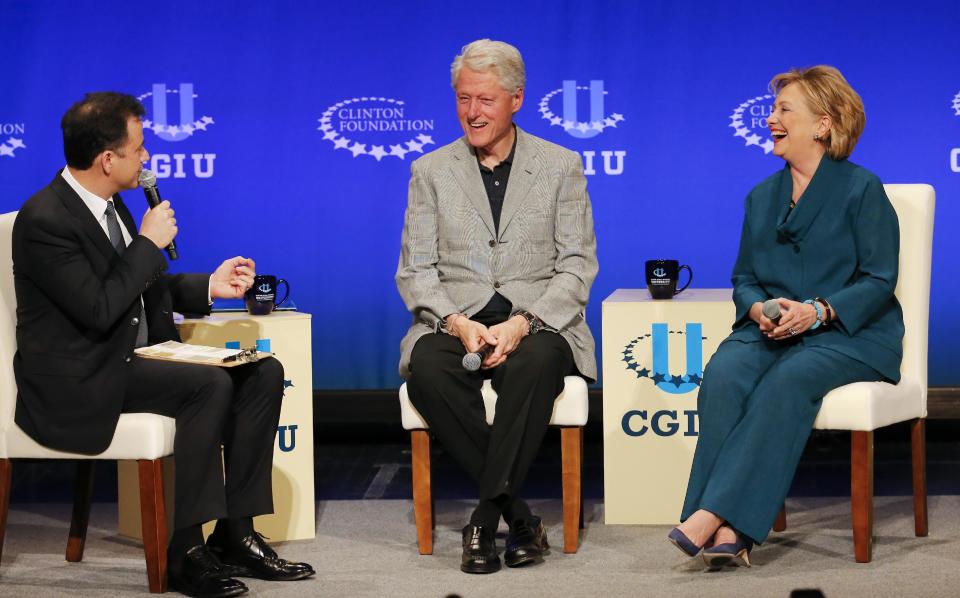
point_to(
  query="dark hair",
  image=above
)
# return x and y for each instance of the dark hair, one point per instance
(95, 124)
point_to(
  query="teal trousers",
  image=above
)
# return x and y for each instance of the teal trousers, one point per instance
(757, 404)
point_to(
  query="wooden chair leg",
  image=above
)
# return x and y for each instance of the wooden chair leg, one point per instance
(422, 495)
(571, 446)
(780, 524)
(6, 468)
(918, 438)
(153, 518)
(82, 493)
(583, 506)
(861, 494)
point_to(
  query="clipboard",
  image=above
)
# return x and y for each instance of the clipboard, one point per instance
(201, 354)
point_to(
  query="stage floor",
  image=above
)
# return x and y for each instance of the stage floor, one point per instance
(368, 548)
(366, 542)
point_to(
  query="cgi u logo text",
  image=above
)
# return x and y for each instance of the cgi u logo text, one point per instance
(287, 442)
(666, 382)
(570, 107)
(159, 112)
(659, 272)
(665, 422)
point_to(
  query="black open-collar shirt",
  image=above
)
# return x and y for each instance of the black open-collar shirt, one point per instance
(495, 182)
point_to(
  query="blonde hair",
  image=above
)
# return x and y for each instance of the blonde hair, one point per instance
(828, 93)
(486, 55)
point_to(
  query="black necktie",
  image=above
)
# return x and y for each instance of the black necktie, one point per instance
(116, 239)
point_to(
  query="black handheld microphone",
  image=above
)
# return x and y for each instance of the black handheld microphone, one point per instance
(472, 361)
(148, 181)
(771, 310)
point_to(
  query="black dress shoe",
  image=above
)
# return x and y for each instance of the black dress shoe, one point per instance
(201, 575)
(526, 543)
(253, 557)
(479, 550)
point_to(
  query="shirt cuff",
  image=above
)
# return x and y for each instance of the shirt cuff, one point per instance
(209, 294)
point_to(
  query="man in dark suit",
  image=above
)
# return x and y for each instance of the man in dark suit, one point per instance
(90, 288)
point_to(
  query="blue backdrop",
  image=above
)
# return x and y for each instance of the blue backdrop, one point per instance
(288, 128)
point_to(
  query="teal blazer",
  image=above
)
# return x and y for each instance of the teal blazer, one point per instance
(842, 243)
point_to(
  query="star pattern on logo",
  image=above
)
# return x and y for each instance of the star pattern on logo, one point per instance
(288, 384)
(633, 365)
(583, 127)
(188, 129)
(378, 152)
(741, 130)
(11, 146)
(956, 104)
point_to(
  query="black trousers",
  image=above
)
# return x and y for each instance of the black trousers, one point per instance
(498, 457)
(238, 408)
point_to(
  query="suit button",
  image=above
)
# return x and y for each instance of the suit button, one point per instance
(127, 359)
(493, 243)
(135, 321)
(496, 285)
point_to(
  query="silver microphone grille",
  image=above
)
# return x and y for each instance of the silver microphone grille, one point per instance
(771, 309)
(148, 178)
(471, 361)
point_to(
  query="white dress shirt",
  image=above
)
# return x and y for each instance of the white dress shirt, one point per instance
(98, 207)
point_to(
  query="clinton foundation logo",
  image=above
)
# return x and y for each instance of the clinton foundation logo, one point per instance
(11, 139)
(955, 152)
(648, 357)
(172, 117)
(377, 127)
(749, 122)
(580, 110)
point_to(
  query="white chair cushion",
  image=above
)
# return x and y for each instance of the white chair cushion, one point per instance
(138, 436)
(866, 406)
(570, 409)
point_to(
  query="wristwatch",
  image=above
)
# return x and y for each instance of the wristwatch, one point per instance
(535, 324)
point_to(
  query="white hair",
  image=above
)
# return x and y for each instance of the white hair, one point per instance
(488, 55)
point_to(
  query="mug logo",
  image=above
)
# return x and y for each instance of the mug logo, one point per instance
(570, 122)
(659, 272)
(750, 117)
(264, 288)
(159, 121)
(659, 373)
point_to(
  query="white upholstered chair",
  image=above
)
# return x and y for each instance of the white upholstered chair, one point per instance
(570, 412)
(863, 407)
(141, 436)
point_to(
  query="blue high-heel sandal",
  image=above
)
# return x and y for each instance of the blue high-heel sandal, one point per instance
(734, 554)
(681, 541)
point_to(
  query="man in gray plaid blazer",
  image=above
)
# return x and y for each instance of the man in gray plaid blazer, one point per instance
(498, 255)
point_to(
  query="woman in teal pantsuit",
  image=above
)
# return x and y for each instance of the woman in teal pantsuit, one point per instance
(821, 238)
